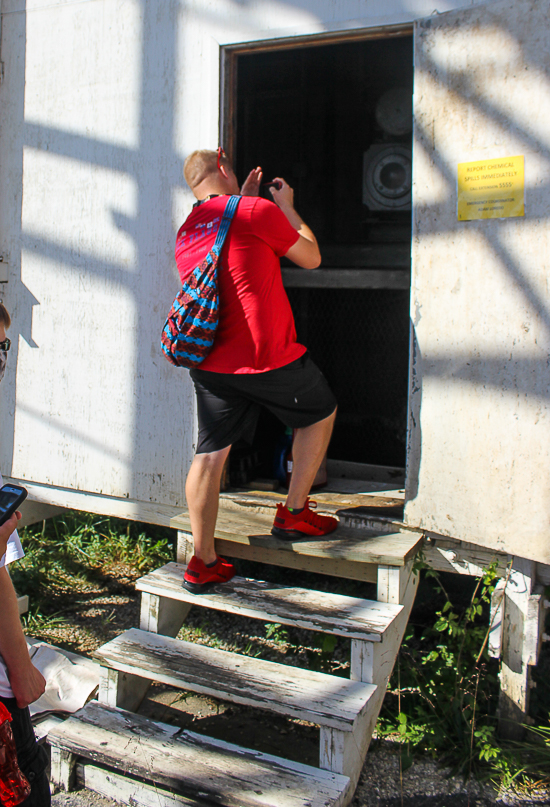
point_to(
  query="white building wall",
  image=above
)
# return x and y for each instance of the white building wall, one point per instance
(478, 465)
(101, 102)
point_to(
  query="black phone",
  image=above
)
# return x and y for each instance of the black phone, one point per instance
(275, 184)
(11, 496)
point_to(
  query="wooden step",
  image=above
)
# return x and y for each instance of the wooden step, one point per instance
(323, 699)
(358, 546)
(313, 610)
(371, 511)
(195, 768)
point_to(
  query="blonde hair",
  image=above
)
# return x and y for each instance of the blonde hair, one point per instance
(200, 165)
(5, 318)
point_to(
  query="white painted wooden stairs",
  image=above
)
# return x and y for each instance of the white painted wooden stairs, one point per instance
(109, 748)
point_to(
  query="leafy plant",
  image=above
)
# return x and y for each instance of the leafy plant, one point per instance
(276, 633)
(447, 685)
(321, 652)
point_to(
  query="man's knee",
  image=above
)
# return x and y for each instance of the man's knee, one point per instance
(211, 462)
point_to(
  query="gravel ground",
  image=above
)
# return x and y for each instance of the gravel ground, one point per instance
(425, 784)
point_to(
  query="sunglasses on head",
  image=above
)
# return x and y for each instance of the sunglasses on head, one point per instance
(6, 344)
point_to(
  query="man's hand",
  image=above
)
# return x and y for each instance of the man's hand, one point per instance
(27, 685)
(251, 185)
(283, 197)
(6, 530)
(305, 252)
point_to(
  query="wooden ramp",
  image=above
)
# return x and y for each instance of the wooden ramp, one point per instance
(101, 743)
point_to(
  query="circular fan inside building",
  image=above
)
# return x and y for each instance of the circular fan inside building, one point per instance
(387, 177)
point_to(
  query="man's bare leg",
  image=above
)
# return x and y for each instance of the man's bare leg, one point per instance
(202, 490)
(308, 450)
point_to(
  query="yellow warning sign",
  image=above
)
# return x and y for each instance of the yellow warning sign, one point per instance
(491, 189)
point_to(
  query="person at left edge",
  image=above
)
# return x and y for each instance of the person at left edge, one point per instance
(20, 682)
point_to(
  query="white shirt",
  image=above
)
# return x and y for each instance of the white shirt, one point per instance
(14, 551)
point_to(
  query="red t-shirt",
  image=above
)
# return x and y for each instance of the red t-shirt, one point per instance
(256, 329)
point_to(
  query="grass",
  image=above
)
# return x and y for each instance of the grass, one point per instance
(74, 553)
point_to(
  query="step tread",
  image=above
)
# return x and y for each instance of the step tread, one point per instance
(193, 765)
(313, 610)
(326, 700)
(346, 543)
(327, 500)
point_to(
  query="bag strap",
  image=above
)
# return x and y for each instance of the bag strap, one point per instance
(228, 213)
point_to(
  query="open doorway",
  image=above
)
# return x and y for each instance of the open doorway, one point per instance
(336, 121)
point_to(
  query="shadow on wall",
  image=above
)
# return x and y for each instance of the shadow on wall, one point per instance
(156, 169)
(483, 117)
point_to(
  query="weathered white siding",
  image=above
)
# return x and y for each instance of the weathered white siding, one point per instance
(480, 427)
(101, 102)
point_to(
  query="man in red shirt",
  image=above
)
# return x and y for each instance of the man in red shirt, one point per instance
(255, 360)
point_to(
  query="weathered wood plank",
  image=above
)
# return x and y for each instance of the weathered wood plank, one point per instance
(329, 500)
(372, 662)
(131, 509)
(313, 610)
(121, 689)
(317, 697)
(33, 512)
(355, 510)
(162, 614)
(522, 627)
(196, 766)
(447, 555)
(62, 768)
(496, 619)
(335, 567)
(126, 790)
(346, 543)
(184, 547)
(393, 582)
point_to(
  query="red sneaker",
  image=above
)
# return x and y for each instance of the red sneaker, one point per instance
(198, 577)
(289, 526)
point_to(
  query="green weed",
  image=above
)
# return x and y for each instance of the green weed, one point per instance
(447, 685)
(276, 633)
(70, 551)
(37, 622)
(321, 652)
(445, 695)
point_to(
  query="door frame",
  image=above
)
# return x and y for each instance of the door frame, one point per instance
(229, 55)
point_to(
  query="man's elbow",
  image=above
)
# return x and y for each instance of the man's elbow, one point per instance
(315, 261)
(311, 259)
(305, 254)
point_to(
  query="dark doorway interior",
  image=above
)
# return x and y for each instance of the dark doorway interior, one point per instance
(336, 122)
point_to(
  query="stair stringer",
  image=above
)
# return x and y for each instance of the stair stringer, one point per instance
(373, 663)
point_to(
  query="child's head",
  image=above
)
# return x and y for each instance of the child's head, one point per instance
(5, 322)
(5, 319)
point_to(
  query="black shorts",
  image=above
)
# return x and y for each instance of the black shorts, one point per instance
(229, 404)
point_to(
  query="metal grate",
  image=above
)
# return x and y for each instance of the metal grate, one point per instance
(360, 340)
